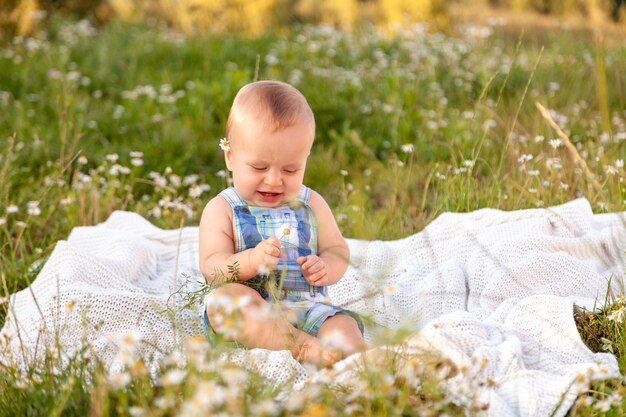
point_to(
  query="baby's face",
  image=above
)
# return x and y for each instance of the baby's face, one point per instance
(268, 168)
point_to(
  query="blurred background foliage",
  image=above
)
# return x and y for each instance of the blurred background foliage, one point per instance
(256, 17)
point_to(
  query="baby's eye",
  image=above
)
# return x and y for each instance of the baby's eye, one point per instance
(290, 171)
(258, 168)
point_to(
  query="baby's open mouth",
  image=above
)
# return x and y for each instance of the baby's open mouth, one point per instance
(268, 194)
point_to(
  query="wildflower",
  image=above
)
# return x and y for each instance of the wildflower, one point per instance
(174, 180)
(165, 201)
(233, 375)
(468, 163)
(115, 169)
(334, 340)
(137, 162)
(266, 407)
(190, 179)
(619, 163)
(598, 372)
(82, 160)
(195, 191)
(617, 315)
(324, 377)
(161, 182)
(611, 170)
(208, 394)
(554, 163)
(241, 302)
(21, 224)
(602, 406)
(221, 173)
(3, 221)
(173, 377)
(343, 172)
(155, 212)
(128, 340)
(136, 411)
(119, 380)
(164, 403)
(12, 208)
(585, 401)
(112, 157)
(615, 399)
(137, 368)
(124, 358)
(21, 384)
(54, 73)
(225, 144)
(407, 148)
(539, 138)
(563, 186)
(390, 289)
(524, 158)
(69, 306)
(555, 143)
(489, 123)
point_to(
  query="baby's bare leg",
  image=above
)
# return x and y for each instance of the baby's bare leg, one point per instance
(348, 329)
(259, 328)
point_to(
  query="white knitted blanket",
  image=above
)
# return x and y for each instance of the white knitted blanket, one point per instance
(491, 291)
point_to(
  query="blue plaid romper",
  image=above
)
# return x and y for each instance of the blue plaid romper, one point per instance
(293, 224)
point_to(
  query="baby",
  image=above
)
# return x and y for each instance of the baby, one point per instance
(279, 236)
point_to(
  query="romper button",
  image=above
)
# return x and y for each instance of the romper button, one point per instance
(245, 210)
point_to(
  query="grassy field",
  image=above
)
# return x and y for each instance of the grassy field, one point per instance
(409, 126)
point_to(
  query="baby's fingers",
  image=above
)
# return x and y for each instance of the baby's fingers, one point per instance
(314, 266)
(273, 241)
(318, 278)
(271, 249)
(307, 261)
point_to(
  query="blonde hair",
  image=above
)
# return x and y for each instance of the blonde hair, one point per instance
(274, 103)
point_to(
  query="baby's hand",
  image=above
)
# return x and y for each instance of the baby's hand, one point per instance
(266, 254)
(313, 269)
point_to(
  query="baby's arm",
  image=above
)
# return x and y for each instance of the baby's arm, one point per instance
(217, 245)
(333, 253)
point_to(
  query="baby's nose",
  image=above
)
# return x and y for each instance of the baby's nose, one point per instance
(273, 178)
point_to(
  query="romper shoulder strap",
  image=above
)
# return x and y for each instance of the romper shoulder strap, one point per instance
(233, 198)
(305, 194)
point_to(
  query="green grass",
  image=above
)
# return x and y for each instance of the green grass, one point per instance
(73, 95)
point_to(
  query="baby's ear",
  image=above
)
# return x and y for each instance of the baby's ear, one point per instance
(228, 157)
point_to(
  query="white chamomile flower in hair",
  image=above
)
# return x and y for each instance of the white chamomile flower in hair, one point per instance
(225, 144)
